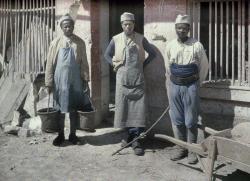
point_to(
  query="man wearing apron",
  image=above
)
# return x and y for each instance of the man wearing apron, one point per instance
(126, 53)
(67, 75)
(186, 66)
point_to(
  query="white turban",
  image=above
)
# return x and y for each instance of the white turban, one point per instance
(182, 19)
(127, 17)
(65, 17)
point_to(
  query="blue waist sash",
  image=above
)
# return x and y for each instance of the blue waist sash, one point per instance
(184, 74)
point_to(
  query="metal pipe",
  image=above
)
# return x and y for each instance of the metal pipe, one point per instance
(221, 40)
(210, 41)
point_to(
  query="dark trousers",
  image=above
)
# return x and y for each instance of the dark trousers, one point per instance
(73, 116)
(135, 131)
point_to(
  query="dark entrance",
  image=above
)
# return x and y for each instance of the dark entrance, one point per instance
(116, 8)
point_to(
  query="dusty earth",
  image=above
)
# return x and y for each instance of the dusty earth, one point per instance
(35, 158)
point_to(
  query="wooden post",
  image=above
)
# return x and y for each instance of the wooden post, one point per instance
(239, 43)
(221, 40)
(1, 23)
(12, 42)
(211, 158)
(233, 60)
(18, 36)
(26, 36)
(215, 42)
(52, 19)
(210, 40)
(44, 35)
(22, 39)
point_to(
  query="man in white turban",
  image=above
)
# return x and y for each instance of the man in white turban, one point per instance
(186, 66)
(126, 53)
(67, 75)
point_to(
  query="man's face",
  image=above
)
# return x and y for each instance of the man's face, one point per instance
(67, 27)
(182, 30)
(128, 27)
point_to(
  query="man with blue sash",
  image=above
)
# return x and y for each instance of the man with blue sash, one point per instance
(186, 66)
(67, 75)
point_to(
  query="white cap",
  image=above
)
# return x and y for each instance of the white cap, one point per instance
(65, 17)
(126, 16)
(182, 19)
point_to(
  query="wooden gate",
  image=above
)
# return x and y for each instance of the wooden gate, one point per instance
(223, 26)
(26, 29)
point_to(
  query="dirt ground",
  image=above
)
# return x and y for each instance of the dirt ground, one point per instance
(35, 158)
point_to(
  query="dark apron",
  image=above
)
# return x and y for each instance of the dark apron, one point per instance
(130, 97)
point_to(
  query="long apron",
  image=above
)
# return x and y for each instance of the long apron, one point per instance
(68, 91)
(130, 97)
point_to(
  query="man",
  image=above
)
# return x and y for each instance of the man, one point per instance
(67, 74)
(126, 53)
(187, 66)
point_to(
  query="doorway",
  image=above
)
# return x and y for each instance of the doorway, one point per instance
(116, 8)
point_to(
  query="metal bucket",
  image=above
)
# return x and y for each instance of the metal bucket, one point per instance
(50, 119)
(87, 120)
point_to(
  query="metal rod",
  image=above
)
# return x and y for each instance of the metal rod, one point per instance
(227, 39)
(233, 60)
(215, 42)
(243, 41)
(239, 43)
(210, 41)
(221, 40)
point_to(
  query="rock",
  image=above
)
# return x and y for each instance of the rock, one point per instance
(11, 129)
(241, 132)
(33, 123)
(23, 132)
(16, 119)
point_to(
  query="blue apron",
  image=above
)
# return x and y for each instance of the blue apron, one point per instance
(68, 89)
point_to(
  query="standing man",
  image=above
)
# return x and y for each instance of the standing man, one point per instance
(67, 75)
(186, 66)
(126, 53)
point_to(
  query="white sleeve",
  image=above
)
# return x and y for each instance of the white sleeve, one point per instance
(167, 59)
